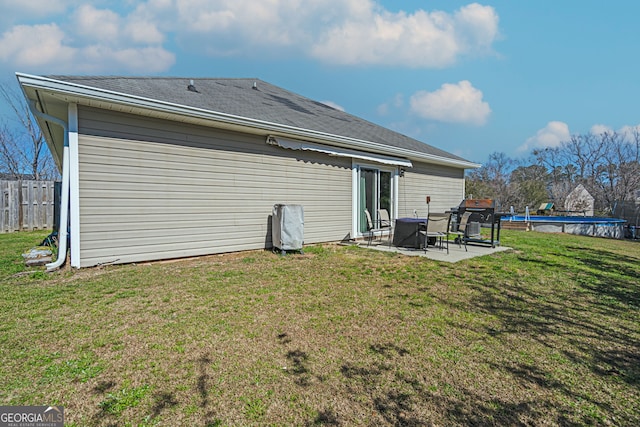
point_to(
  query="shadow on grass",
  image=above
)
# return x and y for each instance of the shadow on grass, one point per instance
(585, 318)
(162, 401)
(325, 417)
(402, 402)
(103, 386)
(102, 415)
(622, 286)
(398, 399)
(302, 377)
(203, 390)
(617, 287)
(611, 284)
(111, 407)
(298, 360)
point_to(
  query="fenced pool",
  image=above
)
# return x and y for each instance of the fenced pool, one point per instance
(611, 228)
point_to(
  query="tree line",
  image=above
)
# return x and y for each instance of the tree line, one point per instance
(23, 149)
(606, 164)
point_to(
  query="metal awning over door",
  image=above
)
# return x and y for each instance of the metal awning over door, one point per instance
(337, 151)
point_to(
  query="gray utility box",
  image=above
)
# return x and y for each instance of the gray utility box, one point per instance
(287, 227)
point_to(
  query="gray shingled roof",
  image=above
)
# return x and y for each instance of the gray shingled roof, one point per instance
(266, 102)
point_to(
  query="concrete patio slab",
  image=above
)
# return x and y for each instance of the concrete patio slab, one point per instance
(455, 254)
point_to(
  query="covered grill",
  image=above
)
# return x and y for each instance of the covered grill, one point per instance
(483, 214)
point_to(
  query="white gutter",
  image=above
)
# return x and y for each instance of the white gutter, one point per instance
(74, 89)
(64, 205)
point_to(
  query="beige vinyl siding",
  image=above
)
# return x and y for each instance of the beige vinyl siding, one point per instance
(152, 189)
(444, 184)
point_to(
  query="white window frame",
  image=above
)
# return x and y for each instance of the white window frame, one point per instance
(356, 168)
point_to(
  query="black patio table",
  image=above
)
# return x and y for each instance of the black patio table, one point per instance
(406, 233)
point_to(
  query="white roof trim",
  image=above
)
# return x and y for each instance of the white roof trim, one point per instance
(81, 91)
(337, 152)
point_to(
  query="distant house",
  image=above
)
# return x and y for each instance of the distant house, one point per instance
(580, 201)
(167, 167)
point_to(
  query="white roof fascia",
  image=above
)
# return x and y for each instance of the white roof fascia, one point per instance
(73, 89)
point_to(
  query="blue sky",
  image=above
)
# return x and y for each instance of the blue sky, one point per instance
(470, 78)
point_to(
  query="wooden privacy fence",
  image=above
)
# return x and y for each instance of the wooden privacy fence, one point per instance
(26, 206)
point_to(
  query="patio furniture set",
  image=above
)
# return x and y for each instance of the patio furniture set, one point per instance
(463, 223)
(419, 233)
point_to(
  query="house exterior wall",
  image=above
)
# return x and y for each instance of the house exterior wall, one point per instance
(444, 184)
(153, 189)
(580, 201)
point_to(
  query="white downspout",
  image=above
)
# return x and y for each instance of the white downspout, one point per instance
(64, 203)
(355, 214)
(74, 187)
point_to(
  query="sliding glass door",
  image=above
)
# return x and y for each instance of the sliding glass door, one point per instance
(375, 192)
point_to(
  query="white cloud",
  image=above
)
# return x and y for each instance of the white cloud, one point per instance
(600, 129)
(627, 133)
(422, 39)
(143, 32)
(34, 46)
(97, 24)
(229, 26)
(45, 47)
(97, 40)
(108, 27)
(349, 32)
(630, 132)
(36, 8)
(556, 132)
(453, 103)
(476, 27)
(552, 135)
(25, 13)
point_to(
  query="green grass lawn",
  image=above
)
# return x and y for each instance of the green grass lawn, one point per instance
(545, 334)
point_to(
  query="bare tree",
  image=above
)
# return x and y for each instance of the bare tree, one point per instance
(618, 171)
(491, 181)
(23, 150)
(606, 164)
(562, 174)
